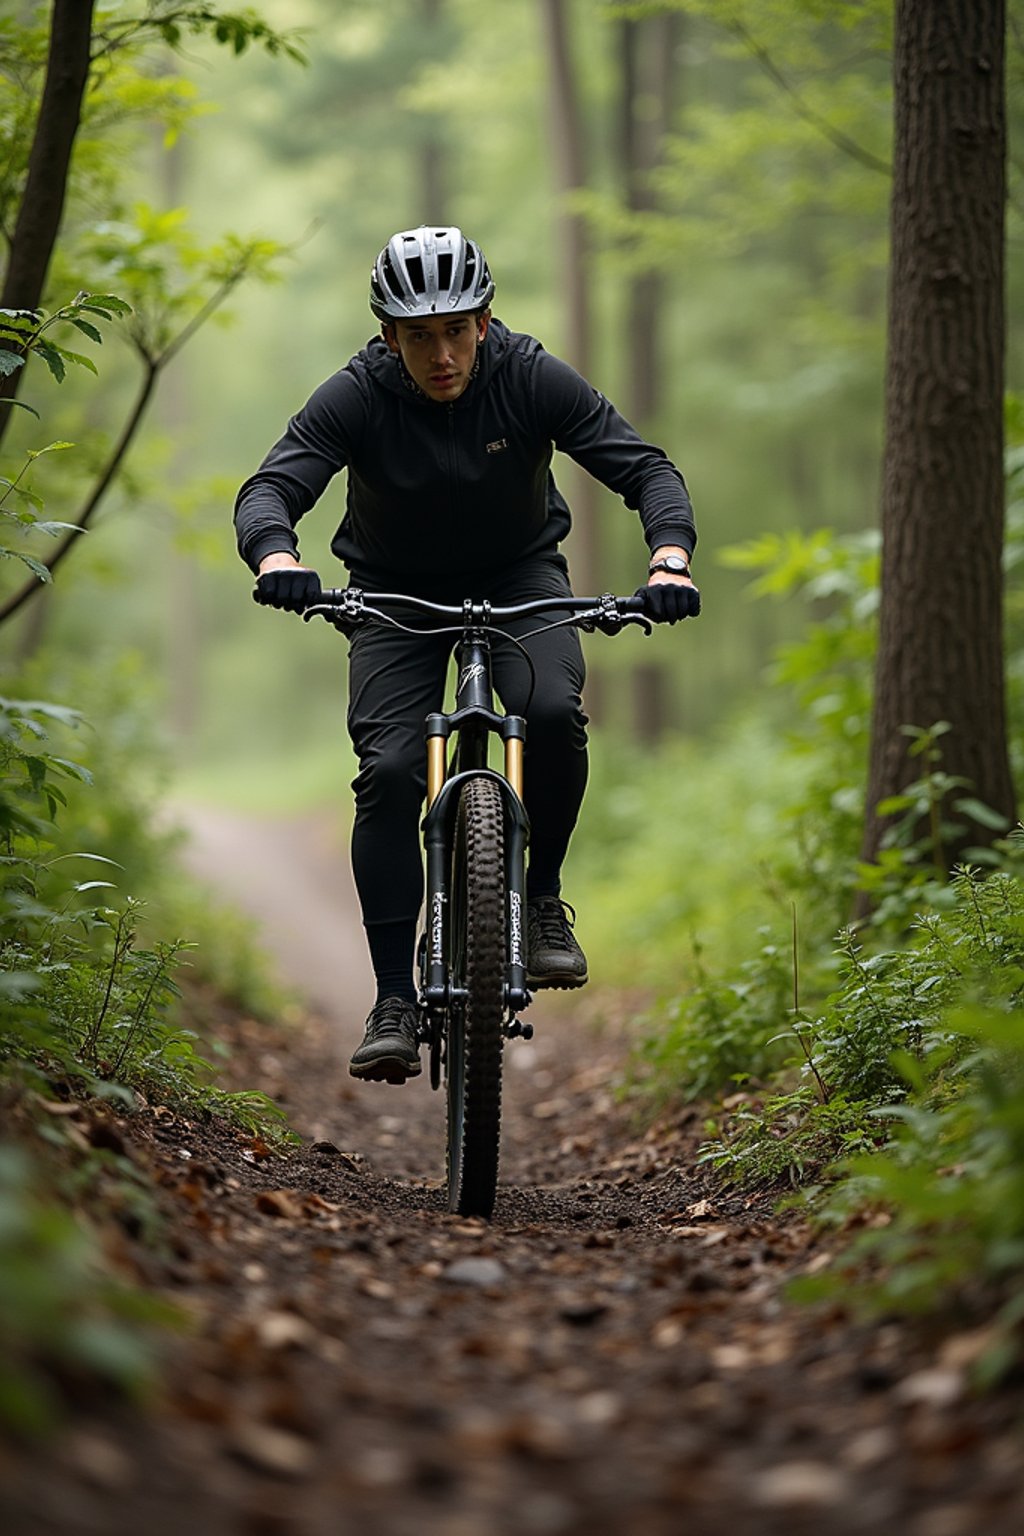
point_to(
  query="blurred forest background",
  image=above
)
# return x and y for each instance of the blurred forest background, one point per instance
(688, 200)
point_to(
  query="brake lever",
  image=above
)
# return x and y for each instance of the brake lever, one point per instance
(639, 618)
(344, 616)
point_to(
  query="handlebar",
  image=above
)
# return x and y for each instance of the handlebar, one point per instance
(349, 606)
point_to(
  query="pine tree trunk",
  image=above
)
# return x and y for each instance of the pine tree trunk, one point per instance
(940, 650)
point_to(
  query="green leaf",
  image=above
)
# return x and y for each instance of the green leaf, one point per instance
(76, 771)
(109, 301)
(36, 566)
(10, 362)
(55, 447)
(53, 528)
(21, 406)
(77, 357)
(983, 814)
(51, 356)
(88, 329)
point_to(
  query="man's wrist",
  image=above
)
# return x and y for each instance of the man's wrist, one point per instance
(671, 560)
(280, 560)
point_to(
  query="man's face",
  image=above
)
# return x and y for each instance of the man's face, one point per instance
(438, 352)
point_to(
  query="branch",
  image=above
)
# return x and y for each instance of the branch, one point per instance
(834, 135)
(153, 364)
(96, 495)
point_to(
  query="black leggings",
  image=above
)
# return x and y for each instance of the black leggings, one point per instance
(396, 680)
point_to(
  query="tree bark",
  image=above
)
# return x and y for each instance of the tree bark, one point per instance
(570, 175)
(940, 648)
(42, 203)
(648, 50)
(433, 190)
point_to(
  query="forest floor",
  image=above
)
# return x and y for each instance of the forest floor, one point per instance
(613, 1353)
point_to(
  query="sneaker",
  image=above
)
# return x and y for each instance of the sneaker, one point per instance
(390, 1051)
(554, 959)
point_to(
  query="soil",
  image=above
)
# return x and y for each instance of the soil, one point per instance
(612, 1353)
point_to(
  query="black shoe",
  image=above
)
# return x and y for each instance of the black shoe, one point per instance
(390, 1051)
(554, 959)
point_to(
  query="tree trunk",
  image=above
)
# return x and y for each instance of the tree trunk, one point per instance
(42, 203)
(433, 189)
(569, 164)
(648, 52)
(940, 650)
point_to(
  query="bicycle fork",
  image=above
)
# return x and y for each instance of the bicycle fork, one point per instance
(474, 719)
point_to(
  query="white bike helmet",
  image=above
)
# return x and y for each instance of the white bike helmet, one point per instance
(429, 271)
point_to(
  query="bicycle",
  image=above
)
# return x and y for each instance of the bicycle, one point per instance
(472, 958)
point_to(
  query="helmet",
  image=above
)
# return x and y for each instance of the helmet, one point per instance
(429, 271)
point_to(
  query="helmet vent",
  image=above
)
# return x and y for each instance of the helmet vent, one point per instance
(414, 266)
(444, 271)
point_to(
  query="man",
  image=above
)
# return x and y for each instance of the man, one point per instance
(446, 424)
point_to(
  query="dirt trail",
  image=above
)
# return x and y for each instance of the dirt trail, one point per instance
(611, 1354)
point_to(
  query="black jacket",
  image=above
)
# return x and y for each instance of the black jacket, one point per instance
(441, 495)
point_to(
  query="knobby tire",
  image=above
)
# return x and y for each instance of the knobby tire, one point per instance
(474, 1045)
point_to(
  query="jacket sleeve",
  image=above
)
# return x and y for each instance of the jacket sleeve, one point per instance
(318, 443)
(586, 426)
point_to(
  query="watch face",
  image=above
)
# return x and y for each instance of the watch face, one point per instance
(674, 563)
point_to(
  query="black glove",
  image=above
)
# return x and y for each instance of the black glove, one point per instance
(666, 602)
(292, 588)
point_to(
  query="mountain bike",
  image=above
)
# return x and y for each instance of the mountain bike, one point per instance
(472, 958)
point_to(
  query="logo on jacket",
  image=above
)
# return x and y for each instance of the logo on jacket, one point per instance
(498, 446)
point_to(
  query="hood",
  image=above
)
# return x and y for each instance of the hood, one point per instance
(385, 366)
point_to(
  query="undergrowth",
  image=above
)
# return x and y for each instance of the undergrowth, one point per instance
(88, 988)
(884, 1079)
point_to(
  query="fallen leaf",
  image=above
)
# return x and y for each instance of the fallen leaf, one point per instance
(799, 1485)
(277, 1451)
(279, 1202)
(284, 1330)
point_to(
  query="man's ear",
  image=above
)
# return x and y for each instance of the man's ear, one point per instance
(390, 336)
(482, 324)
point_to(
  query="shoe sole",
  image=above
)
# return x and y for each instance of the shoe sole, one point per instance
(556, 983)
(386, 1069)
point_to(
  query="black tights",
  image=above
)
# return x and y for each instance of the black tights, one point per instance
(395, 680)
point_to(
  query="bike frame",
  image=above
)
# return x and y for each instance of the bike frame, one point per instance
(473, 720)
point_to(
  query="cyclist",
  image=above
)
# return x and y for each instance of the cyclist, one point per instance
(446, 423)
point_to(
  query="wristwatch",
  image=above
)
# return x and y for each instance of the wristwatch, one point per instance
(676, 565)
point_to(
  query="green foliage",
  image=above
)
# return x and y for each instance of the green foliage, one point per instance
(940, 1209)
(893, 1028)
(64, 1319)
(724, 1031)
(24, 334)
(81, 992)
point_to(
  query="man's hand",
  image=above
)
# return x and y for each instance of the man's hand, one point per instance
(284, 583)
(667, 599)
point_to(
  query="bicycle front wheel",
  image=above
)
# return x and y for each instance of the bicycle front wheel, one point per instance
(474, 1044)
